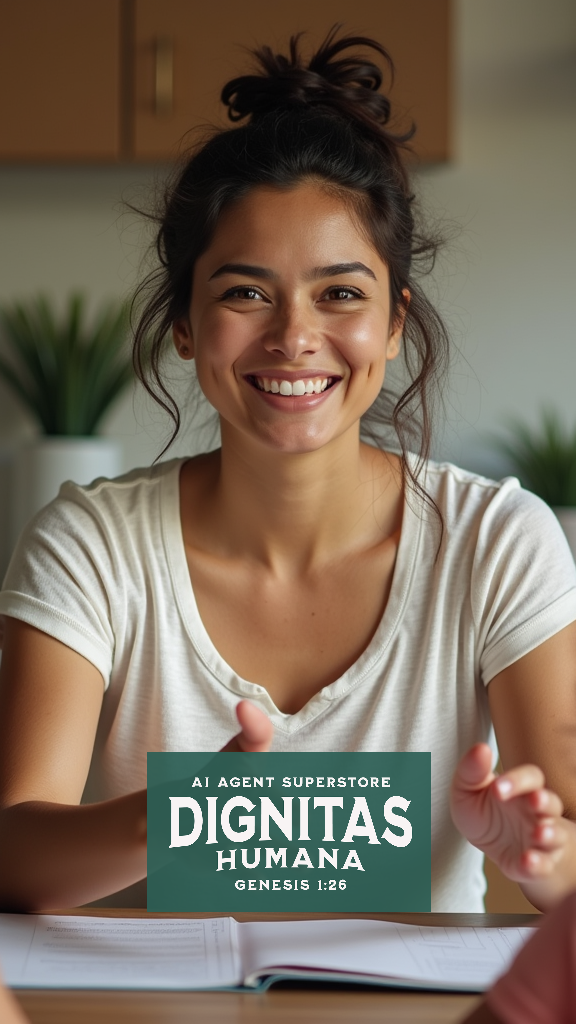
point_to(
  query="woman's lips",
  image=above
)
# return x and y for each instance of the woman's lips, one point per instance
(305, 386)
(304, 391)
(297, 387)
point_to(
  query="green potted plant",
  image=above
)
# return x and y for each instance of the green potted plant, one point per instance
(544, 459)
(66, 370)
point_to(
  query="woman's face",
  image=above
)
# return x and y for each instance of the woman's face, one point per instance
(290, 321)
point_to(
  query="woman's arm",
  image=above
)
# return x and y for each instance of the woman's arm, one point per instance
(54, 853)
(525, 820)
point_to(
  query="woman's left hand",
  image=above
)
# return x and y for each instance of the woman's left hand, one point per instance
(511, 817)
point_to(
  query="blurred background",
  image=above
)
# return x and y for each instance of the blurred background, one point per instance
(94, 98)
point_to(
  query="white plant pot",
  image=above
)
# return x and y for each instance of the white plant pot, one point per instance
(567, 518)
(44, 464)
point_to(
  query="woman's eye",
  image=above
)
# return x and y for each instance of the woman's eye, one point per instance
(243, 292)
(342, 294)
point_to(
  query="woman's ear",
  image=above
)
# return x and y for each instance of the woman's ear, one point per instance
(397, 326)
(182, 337)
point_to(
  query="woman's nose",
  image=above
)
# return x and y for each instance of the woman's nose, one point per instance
(293, 334)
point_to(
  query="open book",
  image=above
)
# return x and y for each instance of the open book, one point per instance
(49, 951)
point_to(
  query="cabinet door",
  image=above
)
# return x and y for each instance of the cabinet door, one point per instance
(60, 80)
(185, 50)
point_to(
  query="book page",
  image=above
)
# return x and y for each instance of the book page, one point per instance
(50, 951)
(470, 958)
(54, 951)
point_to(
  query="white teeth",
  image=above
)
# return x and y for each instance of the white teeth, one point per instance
(297, 387)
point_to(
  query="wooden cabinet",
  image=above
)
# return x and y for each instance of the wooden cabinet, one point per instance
(60, 75)
(204, 43)
(112, 80)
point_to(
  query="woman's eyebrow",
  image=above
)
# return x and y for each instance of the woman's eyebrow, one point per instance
(245, 269)
(340, 268)
(333, 270)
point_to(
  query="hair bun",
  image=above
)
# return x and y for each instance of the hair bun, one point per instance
(348, 85)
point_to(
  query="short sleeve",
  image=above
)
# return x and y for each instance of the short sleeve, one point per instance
(523, 587)
(61, 577)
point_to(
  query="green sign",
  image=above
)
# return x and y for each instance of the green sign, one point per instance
(345, 832)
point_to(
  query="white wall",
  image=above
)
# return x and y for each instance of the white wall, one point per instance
(67, 229)
(507, 284)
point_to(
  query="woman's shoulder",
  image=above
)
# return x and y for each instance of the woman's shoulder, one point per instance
(486, 515)
(92, 537)
(457, 491)
(132, 497)
(445, 474)
(107, 514)
(123, 488)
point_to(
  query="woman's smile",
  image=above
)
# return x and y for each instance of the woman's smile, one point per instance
(298, 387)
(294, 391)
(290, 313)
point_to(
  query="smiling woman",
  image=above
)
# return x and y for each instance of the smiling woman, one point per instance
(292, 336)
(325, 125)
(362, 598)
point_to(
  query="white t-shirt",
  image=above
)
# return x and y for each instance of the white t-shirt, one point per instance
(103, 569)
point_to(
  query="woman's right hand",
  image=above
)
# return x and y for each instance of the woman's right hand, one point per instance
(256, 731)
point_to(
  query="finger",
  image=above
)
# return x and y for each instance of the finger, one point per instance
(474, 770)
(536, 864)
(256, 730)
(524, 779)
(545, 801)
(531, 864)
(549, 835)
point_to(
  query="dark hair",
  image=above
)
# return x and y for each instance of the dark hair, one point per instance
(326, 121)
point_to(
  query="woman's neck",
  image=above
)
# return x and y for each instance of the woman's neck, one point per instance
(292, 513)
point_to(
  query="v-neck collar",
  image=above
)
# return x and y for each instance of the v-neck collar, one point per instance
(363, 667)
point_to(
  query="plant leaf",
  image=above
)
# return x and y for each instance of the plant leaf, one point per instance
(64, 371)
(544, 459)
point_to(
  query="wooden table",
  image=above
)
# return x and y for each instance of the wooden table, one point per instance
(294, 1004)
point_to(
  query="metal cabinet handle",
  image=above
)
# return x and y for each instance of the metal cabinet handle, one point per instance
(164, 76)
